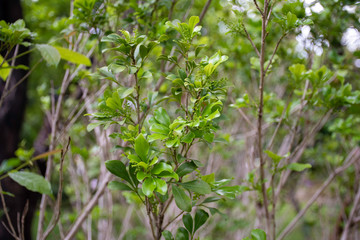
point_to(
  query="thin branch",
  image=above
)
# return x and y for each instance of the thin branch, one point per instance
(247, 120)
(26, 209)
(351, 158)
(350, 220)
(88, 207)
(188, 11)
(171, 221)
(258, 8)
(56, 216)
(9, 77)
(260, 118)
(169, 67)
(5, 94)
(274, 52)
(297, 153)
(204, 10)
(11, 230)
(251, 41)
(171, 9)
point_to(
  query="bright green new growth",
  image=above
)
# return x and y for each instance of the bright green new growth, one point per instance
(159, 170)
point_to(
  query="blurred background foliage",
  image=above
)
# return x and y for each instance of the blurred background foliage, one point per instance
(332, 41)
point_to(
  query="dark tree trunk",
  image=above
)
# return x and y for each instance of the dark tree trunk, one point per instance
(11, 119)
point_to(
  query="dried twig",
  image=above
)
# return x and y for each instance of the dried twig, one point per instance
(56, 216)
(351, 218)
(351, 158)
(12, 229)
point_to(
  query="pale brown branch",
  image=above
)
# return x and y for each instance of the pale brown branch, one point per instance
(6, 93)
(243, 115)
(251, 41)
(274, 52)
(26, 209)
(204, 10)
(172, 220)
(10, 74)
(88, 207)
(12, 229)
(56, 216)
(258, 8)
(351, 218)
(351, 158)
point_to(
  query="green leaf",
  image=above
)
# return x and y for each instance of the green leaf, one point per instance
(73, 57)
(297, 70)
(116, 68)
(162, 117)
(117, 168)
(169, 175)
(115, 185)
(156, 136)
(182, 200)
(171, 142)
(209, 178)
(148, 186)
(291, 19)
(158, 128)
(186, 168)
(200, 218)
(167, 235)
(213, 115)
(142, 147)
(211, 199)
(8, 194)
(161, 167)
(32, 181)
(197, 186)
(193, 21)
(140, 175)
(124, 92)
(50, 54)
(229, 191)
(143, 51)
(132, 174)
(182, 234)
(258, 234)
(276, 158)
(188, 137)
(298, 167)
(91, 126)
(188, 222)
(161, 186)
(4, 70)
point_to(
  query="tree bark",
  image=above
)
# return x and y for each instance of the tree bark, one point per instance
(11, 119)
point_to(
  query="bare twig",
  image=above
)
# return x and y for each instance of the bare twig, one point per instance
(12, 229)
(258, 8)
(351, 158)
(250, 40)
(351, 218)
(26, 208)
(6, 93)
(56, 216)
(89, 206)
(247, 120)
(172, 220)
(10, 74)
(274, 52)
(204, 10)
